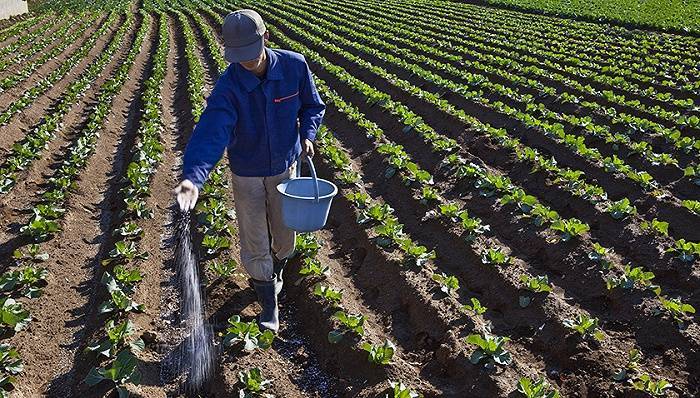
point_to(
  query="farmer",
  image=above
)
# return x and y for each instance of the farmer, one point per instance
(265, 110)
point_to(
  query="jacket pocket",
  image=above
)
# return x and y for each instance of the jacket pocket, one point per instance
(280, 99)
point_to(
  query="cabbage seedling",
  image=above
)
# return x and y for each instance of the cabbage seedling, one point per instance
(679, 310)
(329, 294)
(10, 362)
(223, 269)
(33, 253)
(621, 209)
(585, 326)
(307, 245)
(254, 384)
(313, 267)
(654, 388)
(399, 390)
(569, 228)
(687, 251)
(475, 306)
(351, 322)
(537, 284)
(633, 277)
(416, 254)
(117, 335)
(30, 279)
(448, 284)
(599, 255)
(490, 349)
(380, 354)
(121, 372)
(248, 334)
(495, 256)
(633, 357)
(13, 316)
(656, 226)
(539, 388)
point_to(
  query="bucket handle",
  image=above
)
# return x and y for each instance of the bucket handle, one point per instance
(313, 175)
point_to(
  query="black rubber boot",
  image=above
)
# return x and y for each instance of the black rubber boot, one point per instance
(267, 297)
(278, 270)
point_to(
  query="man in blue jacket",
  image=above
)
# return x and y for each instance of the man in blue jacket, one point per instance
(265, 111)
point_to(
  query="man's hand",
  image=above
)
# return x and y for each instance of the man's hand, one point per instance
(187, 194)
(307, 149)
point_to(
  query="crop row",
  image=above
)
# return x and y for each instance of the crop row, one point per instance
(574, 179)
(526, 204)
(491, 349)
(43, 85)
(40, 45)
(31, 147)
(555, 131)
(41, 229)
(27, 37)
(606, 68)
(680, 67)
(411, 171)
(499, 45)
(16, 29)
(506, 66)
(116, 351)
(482, 82)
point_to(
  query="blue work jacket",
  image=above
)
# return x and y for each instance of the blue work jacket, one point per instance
(259, 120)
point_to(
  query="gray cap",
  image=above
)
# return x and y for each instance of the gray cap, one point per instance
(243, 32)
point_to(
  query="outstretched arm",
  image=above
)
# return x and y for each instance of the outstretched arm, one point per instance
(210, 136)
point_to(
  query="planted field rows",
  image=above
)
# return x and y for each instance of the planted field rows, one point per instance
(518, 207)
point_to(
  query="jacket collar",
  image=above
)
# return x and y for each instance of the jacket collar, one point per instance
(274, 71)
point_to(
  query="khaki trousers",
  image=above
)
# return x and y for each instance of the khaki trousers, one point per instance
(259, 213)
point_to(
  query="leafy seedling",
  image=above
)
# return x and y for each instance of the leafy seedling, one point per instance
(474, 307)
(29, 280)
(117, 335)
(539, 388)
(330, 295)
(350, 322)
(449, 284)
(570, 228)
(599, 254)
(307, 245)
(122, 371)
(655, 226)
(13, 316)
(399, 390)
(679, 310)
(223, 269)
(417, 255)
(633, 358)
(585, 326)
(253, 384)
(654, 388)
(490, 350)
(32, 253)
(380, 354)
(247, 334)
(495, 256)
(633, 277)
(687, 251)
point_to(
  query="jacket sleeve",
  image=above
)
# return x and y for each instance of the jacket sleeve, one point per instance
(312, 106)
(211, 135)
